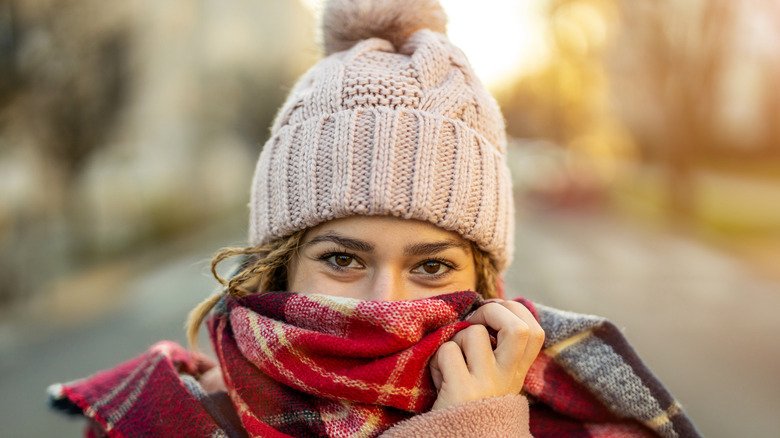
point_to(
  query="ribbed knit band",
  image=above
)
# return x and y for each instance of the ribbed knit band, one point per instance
(374, 132)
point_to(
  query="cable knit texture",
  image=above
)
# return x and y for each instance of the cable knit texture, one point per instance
(398, 126)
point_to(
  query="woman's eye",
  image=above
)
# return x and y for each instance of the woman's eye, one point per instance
(432, 267)
(342, 261)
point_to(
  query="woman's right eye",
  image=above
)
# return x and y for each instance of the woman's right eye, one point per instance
(342, 260)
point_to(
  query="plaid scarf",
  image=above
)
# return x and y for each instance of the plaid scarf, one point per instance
(298, 365)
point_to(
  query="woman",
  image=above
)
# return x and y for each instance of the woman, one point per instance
(382, 201)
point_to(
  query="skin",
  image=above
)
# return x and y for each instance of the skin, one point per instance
(387, 258)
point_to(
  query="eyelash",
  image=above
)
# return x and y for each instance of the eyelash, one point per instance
(335, 252)
(448, 264)
(332, 253)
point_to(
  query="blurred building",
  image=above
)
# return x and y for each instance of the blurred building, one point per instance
(124, 123)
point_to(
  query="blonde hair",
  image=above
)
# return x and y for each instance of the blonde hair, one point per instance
(266, 270)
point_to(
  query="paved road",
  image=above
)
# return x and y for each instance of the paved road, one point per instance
(704, 323)
(698, 317)
(152, 307)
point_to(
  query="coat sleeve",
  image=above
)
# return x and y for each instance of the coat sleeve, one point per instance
(505, 416)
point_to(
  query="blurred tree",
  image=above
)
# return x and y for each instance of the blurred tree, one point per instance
(568, 102)
(74, 67)
(655, 67)
(566, 97)
(64, 81)
(771, 110)
(9, 43)
(771, 102)
(667, 69)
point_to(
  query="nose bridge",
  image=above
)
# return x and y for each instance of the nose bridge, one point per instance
(388, 285)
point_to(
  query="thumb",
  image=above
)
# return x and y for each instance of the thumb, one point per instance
(435, 370)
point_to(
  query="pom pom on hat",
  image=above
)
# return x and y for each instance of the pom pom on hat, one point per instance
(346, 22)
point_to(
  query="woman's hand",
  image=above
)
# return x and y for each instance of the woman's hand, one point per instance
(467, 368)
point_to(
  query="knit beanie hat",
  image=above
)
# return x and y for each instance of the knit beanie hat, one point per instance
(393, 121)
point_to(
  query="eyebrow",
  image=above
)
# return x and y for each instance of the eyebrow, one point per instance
(417, 249)
(346, 242)
(430, 248)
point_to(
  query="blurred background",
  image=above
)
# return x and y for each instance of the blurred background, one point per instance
(645, 149)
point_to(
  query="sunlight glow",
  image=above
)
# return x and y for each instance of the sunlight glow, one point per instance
(502, 38)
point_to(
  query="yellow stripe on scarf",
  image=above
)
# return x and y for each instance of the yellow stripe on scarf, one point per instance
(565, 344)
(665, 417)
(279, 332)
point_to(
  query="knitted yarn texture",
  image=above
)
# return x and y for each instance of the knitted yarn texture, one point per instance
(315, 365)
(402, 129)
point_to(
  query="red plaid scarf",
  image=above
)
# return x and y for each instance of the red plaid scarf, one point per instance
(299, 365)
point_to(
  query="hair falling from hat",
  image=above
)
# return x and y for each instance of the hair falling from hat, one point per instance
(265, 270)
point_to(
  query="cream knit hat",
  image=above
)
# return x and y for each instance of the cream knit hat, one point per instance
(392, 121)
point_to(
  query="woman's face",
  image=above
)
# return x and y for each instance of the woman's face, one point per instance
(381, 258)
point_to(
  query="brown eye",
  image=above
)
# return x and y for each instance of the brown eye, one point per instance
(342, 260)
(431, 267)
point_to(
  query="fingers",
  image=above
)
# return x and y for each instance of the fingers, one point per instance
(515, 326)
(474, 342)
(535, 334)
(467, 368)
(447, 364)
